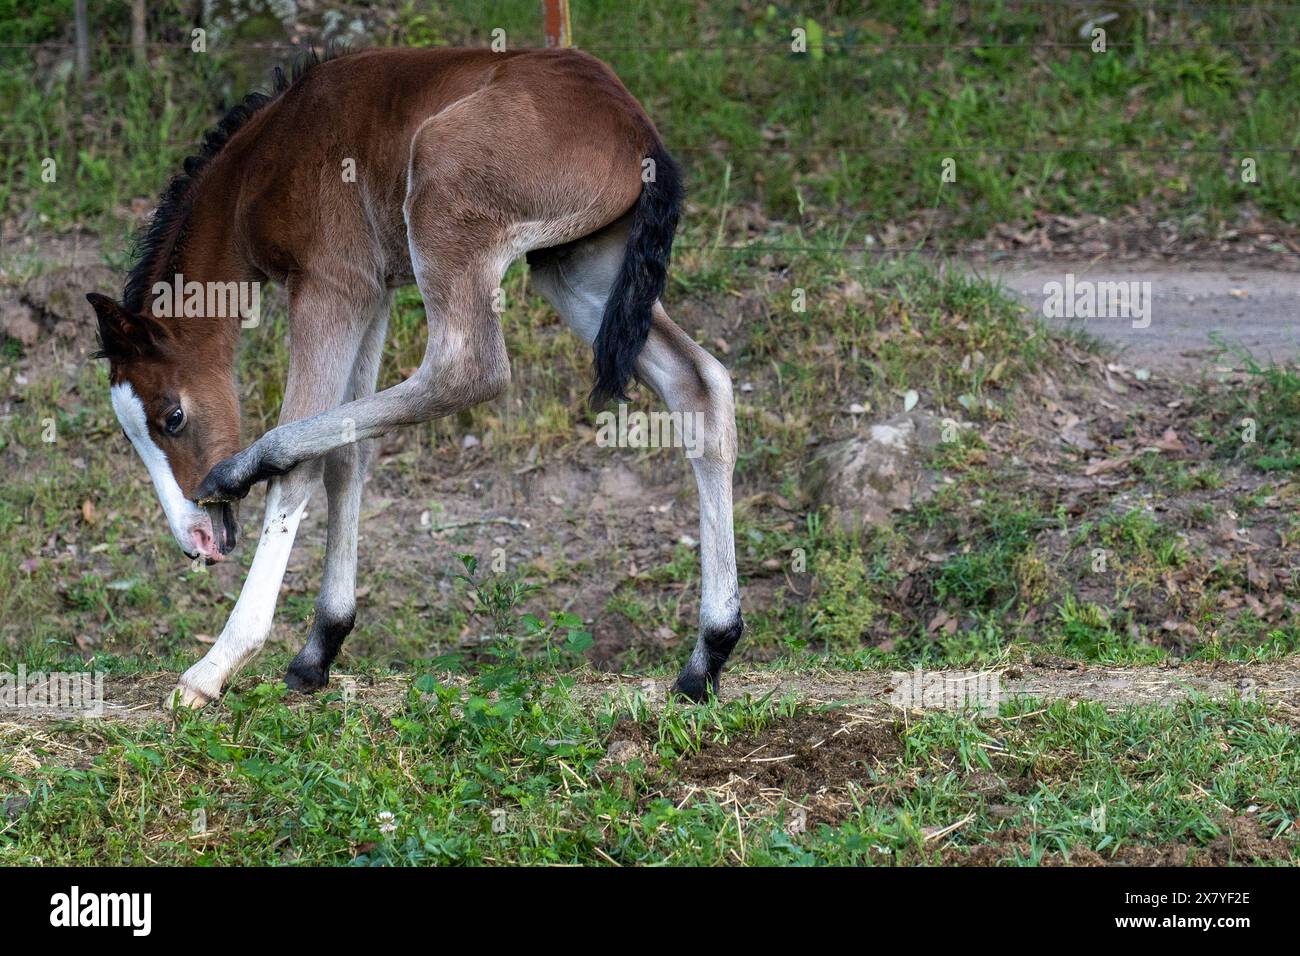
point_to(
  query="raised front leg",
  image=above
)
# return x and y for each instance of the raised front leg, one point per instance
(465, 363)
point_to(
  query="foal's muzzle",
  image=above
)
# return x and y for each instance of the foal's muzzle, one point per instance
(229, 528)
(225, 527)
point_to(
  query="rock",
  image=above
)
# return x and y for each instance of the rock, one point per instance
(623, 751)
(18, 322)
(864, 479)
(60, 292)
(54, 302)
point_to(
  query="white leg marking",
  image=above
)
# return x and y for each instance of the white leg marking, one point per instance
(667, 368)
(250, 622)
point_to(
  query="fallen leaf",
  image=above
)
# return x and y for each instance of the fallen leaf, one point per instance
(1170, 441)
(1262, 579)
(1104, 465)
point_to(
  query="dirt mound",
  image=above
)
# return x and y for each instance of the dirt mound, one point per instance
(808, 762)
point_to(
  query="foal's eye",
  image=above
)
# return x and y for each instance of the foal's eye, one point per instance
(175, 420)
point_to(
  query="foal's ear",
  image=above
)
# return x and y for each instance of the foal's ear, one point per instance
(123, 335)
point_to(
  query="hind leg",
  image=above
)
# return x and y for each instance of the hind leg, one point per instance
(576, 281)
(693, 382)
(345, 474)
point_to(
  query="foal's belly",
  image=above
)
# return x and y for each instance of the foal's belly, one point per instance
(398, 278)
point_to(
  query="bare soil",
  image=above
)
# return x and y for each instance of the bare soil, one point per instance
(1245, 840)
(136, 698)
(808, 763)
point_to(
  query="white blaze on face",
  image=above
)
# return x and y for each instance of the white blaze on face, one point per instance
(183, 515)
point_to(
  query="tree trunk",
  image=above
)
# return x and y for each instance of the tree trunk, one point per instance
(83, 39)
(139, 36)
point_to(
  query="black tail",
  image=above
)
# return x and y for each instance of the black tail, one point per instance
(625, 325)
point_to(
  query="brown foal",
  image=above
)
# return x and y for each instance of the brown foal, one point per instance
(360, 174)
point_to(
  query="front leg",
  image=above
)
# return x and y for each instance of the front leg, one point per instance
(336, 606)
(345, 474)
(319, 369)
(250, 622)
(459, 370)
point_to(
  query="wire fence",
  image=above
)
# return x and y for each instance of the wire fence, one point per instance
(722, 149)
(782, 47)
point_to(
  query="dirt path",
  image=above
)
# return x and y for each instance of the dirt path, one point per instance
(1255, 308)
(1066, 680)
(137, 698)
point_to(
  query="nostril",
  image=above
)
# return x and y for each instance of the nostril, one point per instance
(202, 541)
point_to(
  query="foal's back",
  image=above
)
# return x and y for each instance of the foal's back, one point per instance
(329, 161)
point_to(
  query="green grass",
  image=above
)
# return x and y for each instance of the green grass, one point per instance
(509, 769)
(499, 760)
(1258, 421)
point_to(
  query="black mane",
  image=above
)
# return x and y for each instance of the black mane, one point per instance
(163, 234)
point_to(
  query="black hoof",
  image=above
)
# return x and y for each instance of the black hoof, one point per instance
(305, 676)
(227, 481)
(702, 674)
(695, 686)
(310, 669)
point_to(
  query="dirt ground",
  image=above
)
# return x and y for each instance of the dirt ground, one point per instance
(634, 514)
(138, 698)
(836, 760)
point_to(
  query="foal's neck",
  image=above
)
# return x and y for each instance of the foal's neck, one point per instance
(208, 255)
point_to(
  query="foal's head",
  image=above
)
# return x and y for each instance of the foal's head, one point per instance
(180, 411)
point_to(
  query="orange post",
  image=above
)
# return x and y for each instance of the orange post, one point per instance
(555, 23)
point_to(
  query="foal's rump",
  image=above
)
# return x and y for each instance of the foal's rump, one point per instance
(549, 150)
(549, 146)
